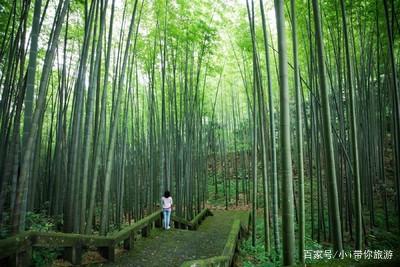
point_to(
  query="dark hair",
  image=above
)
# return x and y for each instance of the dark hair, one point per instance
(167, 194)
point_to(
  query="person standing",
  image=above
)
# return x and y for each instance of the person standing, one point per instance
(166, 202)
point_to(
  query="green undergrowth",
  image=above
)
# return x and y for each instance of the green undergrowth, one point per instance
(38, 221)
(41, 222)
(42, 257)
(377, 237)
(217, 197)
(256, 256)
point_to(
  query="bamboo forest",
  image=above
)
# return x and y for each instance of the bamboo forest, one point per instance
(160, 133)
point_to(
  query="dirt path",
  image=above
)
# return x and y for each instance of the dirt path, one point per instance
(173, 247)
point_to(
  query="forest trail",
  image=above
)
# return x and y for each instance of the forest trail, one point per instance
(175, 246)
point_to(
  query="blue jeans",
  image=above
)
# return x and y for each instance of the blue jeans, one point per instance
(167, 217)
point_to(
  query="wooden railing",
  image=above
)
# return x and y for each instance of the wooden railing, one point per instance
(227, 257)
(194, 223)
(17, 250)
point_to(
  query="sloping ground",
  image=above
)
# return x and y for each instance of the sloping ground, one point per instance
(173, 247)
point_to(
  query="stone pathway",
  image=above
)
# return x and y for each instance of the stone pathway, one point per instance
(174, 246)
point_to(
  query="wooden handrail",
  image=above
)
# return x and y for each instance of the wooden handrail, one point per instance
(232, 242)
(125, 233)
(227, 256)
(199, 217)
(194, 223)
(52, 240)
(16, 247)
(13, 243)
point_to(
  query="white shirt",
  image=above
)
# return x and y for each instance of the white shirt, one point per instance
(166, 202)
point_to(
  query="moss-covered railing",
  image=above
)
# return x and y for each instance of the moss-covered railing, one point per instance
(194, 223)
(226, 259)
(17, 250)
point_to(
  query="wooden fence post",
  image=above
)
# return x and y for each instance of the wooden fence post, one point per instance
(145, 231)
(128, 243)
(20, 259)
(158, 222)
(74, 253)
